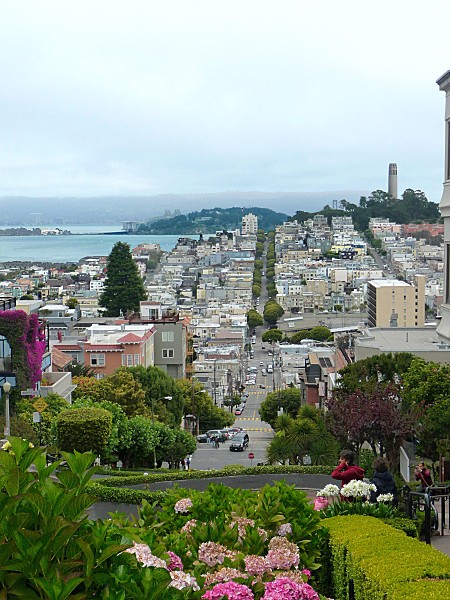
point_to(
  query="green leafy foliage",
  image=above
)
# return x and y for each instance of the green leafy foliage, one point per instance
(84, 429)
(273, 335)
(254, 319)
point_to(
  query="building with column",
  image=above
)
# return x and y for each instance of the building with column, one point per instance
(443, 329)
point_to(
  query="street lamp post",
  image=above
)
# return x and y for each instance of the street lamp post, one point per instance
(7, 429)
(153, 421)
(195, 412)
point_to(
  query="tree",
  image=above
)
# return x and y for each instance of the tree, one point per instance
(124, 288)
(372, 371)
(71, 302)
(288, 399)
(272, 312)
(320, 333)
(254, 319)
(200, 404)
(43, 430)
(121, 388)
(84, 430)
(162, 394)
(373, 416)
(273, 335)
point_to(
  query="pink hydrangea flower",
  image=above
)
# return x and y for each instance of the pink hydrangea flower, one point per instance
(282, 554)
(145, 557)
(175, 563)
(189, 525)
(213, 554)
(242, 523)
(285, 588)
(256, 565)
(284, 529)
(183, 505)
(231, 590)
(222, 575)
(182, 580)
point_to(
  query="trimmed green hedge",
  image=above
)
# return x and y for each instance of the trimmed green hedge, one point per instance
(383, 563)
(134, 478)
(83, 429)
(109, 494)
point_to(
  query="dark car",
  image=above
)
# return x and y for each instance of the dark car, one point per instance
(239, 443)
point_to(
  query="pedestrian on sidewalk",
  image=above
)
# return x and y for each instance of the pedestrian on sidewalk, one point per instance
(346, 471)
(423, 476)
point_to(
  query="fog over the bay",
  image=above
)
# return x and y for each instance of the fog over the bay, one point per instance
(142, 98)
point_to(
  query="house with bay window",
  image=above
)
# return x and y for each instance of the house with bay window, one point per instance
(109, 347)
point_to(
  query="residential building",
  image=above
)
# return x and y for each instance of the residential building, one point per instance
(394, 303)
(249, 224)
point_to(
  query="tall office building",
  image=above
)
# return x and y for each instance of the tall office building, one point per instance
(249, 224)
(392, 180)
(394, 303)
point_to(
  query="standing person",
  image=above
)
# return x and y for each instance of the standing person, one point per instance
(346, 471)
(423, 476)
(187, 462)
(382, 479)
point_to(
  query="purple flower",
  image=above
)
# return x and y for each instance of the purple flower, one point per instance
(286, 589)
(231, 590)
(175, 563)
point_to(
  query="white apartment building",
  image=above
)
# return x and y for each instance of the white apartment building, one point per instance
(249, 224)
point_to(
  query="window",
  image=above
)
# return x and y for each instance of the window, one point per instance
(136, 359)
(167, 336)
(168, 353)
(97, 360)
(129, 360)
(124, 360)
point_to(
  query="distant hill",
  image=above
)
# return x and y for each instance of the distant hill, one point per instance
(210, 220)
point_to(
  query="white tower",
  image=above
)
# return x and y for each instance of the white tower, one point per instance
(392, 180)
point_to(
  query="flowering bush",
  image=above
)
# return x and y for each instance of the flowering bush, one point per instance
(287, 589)
(230, 590)
(26, 338)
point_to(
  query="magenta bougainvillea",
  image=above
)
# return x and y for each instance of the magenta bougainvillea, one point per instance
(26, 337)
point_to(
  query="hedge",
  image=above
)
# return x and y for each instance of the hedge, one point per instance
(382, 563)
(108, 494)
(135, 478)
(83, 429)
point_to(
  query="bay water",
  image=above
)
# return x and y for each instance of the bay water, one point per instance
(86, 241)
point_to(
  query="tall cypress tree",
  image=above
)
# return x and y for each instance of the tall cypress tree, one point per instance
(124, 288)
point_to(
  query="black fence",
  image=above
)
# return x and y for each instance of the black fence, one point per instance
(434, 502)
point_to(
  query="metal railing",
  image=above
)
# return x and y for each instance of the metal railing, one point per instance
(426, 501)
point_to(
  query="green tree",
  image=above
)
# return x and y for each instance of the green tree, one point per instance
(42, 430)
(375, 370)
(256, 290)
(84, 430)
(289, 400)
(319, 333)
(254, 319)
(71, 302)
(162, 394)
(273, 335)
(272, 312)
(124, 288)
(298, 337)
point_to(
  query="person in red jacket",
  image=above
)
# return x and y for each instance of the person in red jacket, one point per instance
(346, 471)
(423, 476)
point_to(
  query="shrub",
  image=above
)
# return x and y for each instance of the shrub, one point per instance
(380, 562)
(84, 429)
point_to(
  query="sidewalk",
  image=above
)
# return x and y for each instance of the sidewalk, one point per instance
(442, 542)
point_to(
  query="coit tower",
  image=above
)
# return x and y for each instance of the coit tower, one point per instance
(392, 180)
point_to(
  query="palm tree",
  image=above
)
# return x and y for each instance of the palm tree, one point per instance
(279, 450)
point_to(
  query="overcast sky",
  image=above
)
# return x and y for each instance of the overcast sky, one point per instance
(147, 97)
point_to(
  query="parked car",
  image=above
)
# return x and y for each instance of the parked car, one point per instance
(261, 385)
(217, 433)
(238, 411)
(237, 430)
(261, 363)
(239, 443)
